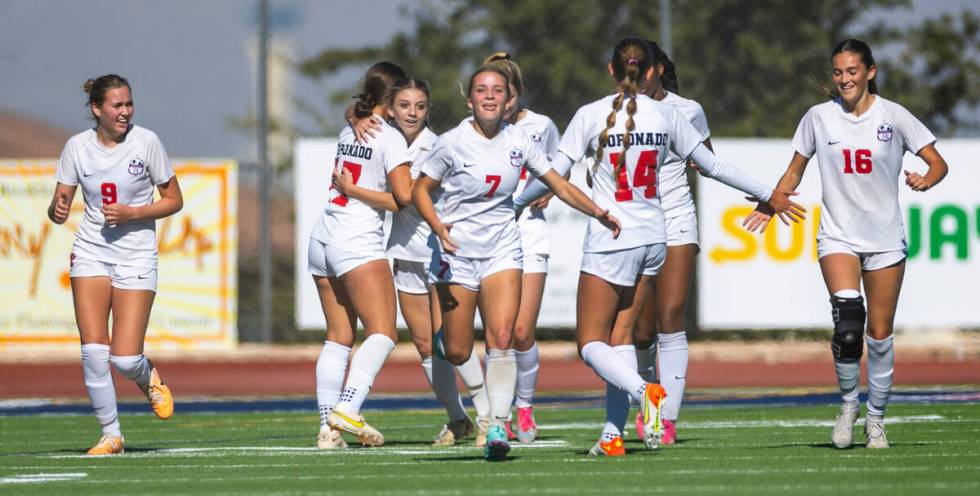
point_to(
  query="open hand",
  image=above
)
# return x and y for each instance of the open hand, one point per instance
(759, 219)
(786, 209)
(366, 128)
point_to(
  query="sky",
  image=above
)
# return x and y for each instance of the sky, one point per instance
(188, 60)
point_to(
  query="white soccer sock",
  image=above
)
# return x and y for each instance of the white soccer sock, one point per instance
(136, 368)
(441, 377)
(527, 376)
(673, 370)
(330, 369)
(610, 367)
(501, 382)
(472, 374)
(618, 400)
(98, 382)
(364, 367)
(881, 369)
(646, 362)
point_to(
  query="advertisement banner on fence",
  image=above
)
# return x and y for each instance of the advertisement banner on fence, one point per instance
(196, 302)
(773, 280)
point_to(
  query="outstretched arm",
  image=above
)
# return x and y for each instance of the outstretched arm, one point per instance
(574, 197)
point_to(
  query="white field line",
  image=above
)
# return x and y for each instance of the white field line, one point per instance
(293, 450)
(738, 424)
(601, 472)
(35, 478)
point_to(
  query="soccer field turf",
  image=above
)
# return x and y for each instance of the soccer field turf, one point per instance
(721, 450)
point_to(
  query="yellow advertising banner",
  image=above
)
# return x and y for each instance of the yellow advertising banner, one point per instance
(196, 301)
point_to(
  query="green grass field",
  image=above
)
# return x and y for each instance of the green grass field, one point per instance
(721, 450)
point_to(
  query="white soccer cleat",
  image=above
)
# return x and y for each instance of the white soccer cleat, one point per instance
(454, 431)
(353, 423)
(482, 426)
(329, 438)
(874, 431)
(843, 434)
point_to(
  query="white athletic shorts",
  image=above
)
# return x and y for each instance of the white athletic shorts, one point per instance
(535, 263)
(682, 230)
(411, 277)
(869, 260)
(469, 272)
(623, 266)
(122, 276)
(331, 261)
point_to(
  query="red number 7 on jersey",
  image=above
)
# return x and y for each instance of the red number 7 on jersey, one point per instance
(355, 172)
(645, 174)
(494, 182)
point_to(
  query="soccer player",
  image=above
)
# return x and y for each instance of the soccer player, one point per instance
(535, 245)
(859, 139)
(477, 257)
(113, 266)
(407, 246)
(348, 263)
(631, 135)
(662, 316)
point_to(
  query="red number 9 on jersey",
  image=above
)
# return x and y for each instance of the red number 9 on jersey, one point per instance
(109, 193)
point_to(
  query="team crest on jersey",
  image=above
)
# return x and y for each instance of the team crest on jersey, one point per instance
(536, 136)
(516, 157)
(885, 132)
(136, 166)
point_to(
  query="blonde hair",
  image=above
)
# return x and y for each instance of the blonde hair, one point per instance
(631, 59)
(501, 60)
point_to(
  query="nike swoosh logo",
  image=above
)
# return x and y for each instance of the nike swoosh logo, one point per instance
(142, 277)
(355, 423)
(833, 142)
(87, 175)
(685, 230)
(468, 165)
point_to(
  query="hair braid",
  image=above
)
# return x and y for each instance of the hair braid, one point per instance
(604, 136)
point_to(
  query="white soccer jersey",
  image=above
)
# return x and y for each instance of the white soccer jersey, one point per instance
(125, 174)
(409, 233)
(633, 197)
(675, 192)
(350, 223)
(860, 161)
(532, 223)
(478, 178)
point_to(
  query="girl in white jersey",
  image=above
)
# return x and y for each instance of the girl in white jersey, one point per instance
(114, 257)
(535, 245)
(408, 247)
(662, 316)
(859, 139)
(478, 264)
(629, 145)
(348, 263)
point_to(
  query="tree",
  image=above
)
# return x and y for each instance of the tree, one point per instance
(755, 66)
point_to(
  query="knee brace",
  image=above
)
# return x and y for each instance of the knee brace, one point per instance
(849, 317)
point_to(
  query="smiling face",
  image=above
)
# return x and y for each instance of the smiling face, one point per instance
(489, 95)
(851, 77)
(115, 114)
(409, 109)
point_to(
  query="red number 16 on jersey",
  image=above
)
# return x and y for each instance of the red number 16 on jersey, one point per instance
(862, 161)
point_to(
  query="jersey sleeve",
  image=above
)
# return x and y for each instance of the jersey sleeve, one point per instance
(439, 160)
(552, 138)
(67, 172)
(395, 150)
(804, 141)
(915, 134)
(158, 164)
(700, 121)
(574, 143)
(535, 161)
(686, 137)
